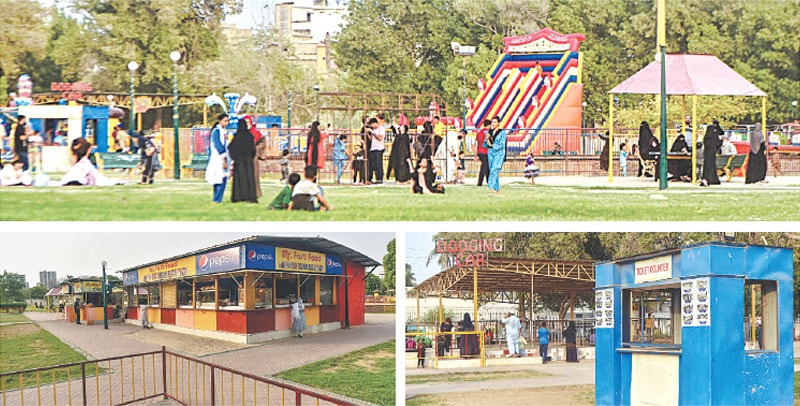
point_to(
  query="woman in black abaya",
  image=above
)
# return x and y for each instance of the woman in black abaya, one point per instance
(398, 158)
(570, 335)
(680, 169)
(467, 343)
(757, 159)
(241, 151)
(604, 152)
(711, 143)
(645, 134)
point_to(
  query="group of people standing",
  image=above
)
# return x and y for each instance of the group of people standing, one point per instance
(239, 159)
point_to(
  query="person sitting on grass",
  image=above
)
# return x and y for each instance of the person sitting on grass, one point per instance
(306, 191)
(83, 173)
(14, 175)
(282, 200)
(422, 178)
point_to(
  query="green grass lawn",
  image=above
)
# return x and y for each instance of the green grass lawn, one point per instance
(12, 318)
(190, 200)
(27, 346)
(367, 374)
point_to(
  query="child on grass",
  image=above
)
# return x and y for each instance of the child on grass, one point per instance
(531, 170)
(282, 200)
(284, 161)
(306, 190)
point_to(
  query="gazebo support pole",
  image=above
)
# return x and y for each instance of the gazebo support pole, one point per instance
(530, 321)
(475, 296)
(418, 315)
(572, 306)
(695, 136)
(683, 120)
(764, 117)
(662, 176)
(436, 358)
(610, 134)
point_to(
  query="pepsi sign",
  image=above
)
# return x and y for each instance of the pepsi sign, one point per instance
(219, 261)
(259, 257)
(130, 278)
(333, 265)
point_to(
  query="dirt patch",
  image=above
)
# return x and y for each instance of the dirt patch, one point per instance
(554, 395)
(21, 329)
(473, 376)
(369, 363)
(185, 343)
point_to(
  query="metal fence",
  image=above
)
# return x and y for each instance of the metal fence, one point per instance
(158, 374)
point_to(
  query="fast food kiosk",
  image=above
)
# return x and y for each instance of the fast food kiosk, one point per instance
(242, 291)
(709, 324)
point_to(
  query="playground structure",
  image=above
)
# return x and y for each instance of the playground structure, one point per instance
(534, 85)
(704, 324)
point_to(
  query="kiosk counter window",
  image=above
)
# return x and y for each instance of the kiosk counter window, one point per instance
(153, 295)
(231, 292)
(651, 317)
(206, 294)
(761, 299)
(285, 290)
(185, 294)
(326, 291)
(307, 288)
(264, 290)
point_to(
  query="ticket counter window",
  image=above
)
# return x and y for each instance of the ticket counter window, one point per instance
(185, 294)
(285, 290)
(761, 299)
(264, 291)
(326, 291)
(154, 294)
(651, 317)
(307, 288)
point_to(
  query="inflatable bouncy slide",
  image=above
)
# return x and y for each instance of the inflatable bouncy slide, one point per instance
(535, 84)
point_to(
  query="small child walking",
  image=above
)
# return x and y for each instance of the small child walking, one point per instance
(531, 170)
(421, 353)
(775, 162)
(284, 161)
(623, 159)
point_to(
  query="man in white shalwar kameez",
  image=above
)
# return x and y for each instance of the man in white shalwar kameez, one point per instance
(217, 169)
(513, 327)
(446, 156)
(298, 317)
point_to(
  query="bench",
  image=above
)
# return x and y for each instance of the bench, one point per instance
(726, 164)
(113, 160)
(198, 162)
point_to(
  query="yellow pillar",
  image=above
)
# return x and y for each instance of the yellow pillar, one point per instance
(753, 313)
(249, 291)
(610, 134)
(475, 296)
(205, 115)
(139, 122)
(696, 137)
(764, 118)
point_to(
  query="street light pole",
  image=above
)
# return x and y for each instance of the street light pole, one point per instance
(103, 289)
(175, 56)
(794, 110)
(132, 66)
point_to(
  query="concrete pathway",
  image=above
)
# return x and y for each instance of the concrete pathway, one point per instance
(142, 374)
(563, 374)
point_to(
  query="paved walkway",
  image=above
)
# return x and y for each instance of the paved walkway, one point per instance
(139, 374)
(563, 374)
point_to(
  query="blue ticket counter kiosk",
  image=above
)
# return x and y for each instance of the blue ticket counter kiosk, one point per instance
(708, 324)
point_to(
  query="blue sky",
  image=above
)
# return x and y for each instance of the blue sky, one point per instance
(418, 246)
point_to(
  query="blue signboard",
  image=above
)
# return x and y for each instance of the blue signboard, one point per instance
(333, 265)
(130, 277)
(259, 257)
(219, 261)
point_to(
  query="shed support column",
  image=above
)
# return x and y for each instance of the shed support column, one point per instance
(610, 134)
(764, 117)
(572, 306)
(475, 296)
(530, 320)
(696, 138)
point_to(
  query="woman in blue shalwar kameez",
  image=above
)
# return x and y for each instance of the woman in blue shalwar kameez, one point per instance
(298, 317)
(496, 142)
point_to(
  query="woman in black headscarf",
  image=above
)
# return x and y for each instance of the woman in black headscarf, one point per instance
(425, 141)
(401, 153)
(680, 168)
(645, 134)
(711, 143)
(312, 143)
(604, 152)
(467, 343)
(422, 178)
(757, 159)
(570, 335)
(241, 151)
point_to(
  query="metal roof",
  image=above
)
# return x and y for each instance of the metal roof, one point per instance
(317, 244)
(702, 75)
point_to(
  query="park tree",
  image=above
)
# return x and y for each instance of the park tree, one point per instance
(373, 283)
(114, 32)
(36, 292)
(390, 267)
(24, 32)
(12, 287)
(411, 281)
